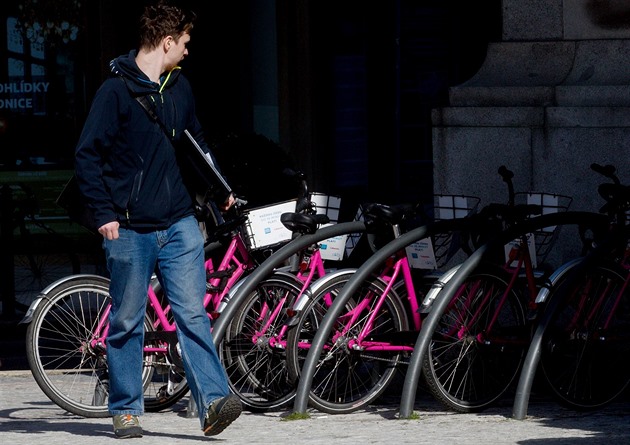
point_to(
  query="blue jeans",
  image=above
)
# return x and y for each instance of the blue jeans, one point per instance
(131, 259)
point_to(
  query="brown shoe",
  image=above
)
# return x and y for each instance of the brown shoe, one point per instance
(221, 413)
(127, 425)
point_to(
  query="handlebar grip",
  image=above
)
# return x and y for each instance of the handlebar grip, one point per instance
(606, 170)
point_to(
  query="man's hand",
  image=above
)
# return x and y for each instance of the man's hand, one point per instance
(229, 202)
(109, 230)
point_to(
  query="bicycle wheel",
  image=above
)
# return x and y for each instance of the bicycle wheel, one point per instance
(348, 378)
(469, 364)
(253, 349)
(586, 346)
(66, 355)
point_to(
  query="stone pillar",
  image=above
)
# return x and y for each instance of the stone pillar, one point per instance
(550, 99)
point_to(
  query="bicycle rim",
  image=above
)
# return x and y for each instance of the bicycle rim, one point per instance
(346, 380)
(253, 349)
(584, 356)
(465, 368)
(67, 365)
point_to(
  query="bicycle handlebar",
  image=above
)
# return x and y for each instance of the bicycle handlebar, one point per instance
(239, 202)
(608, 171)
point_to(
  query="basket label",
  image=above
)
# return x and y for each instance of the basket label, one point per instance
(452, 207)
(264, 227)
(421, 255)
(549, 204)
(531, 246)
(333, 248)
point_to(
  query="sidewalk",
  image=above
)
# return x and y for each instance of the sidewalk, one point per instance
(28, 417)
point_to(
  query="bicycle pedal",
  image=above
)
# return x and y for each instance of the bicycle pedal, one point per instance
(162, 394)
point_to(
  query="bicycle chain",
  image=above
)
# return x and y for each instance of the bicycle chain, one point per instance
(396, 362)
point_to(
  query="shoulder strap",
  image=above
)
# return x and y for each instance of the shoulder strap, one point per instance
(144, 102)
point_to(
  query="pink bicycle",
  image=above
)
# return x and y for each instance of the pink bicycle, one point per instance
(68, 324)
(372, 338)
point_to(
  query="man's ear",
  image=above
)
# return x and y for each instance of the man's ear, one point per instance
(167, 42)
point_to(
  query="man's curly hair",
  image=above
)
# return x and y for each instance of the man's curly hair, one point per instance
(161, 20)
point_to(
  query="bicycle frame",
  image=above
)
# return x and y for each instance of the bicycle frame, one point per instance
(581, 319)
(625, 264)
(313, 266)
(519, 253)
(395, 267)
(235, 263)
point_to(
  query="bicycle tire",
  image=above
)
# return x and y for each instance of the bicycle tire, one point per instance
(66, 366)
(584, 361)
(254, 359)
(346, 379)
(464, 368)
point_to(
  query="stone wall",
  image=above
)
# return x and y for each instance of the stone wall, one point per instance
(550, 99)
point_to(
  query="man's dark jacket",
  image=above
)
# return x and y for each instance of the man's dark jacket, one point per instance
(126, 167)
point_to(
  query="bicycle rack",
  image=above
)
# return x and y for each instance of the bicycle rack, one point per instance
(441, 303)
(308, 368)
(414, 368)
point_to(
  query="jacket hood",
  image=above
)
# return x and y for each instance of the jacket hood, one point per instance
(138, 82)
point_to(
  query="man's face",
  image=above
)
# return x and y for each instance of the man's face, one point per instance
(177, 50)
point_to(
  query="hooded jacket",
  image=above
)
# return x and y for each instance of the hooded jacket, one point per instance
(126, 167)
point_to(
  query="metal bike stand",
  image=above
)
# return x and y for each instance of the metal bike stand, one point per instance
(191, 410)
(266, 269)
(428, 325)
(440, 304)
(376, 260)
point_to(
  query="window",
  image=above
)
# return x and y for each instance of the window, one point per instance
(38, 78)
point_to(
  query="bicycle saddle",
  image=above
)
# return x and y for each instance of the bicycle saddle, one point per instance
(303, 223)
(393, 214)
